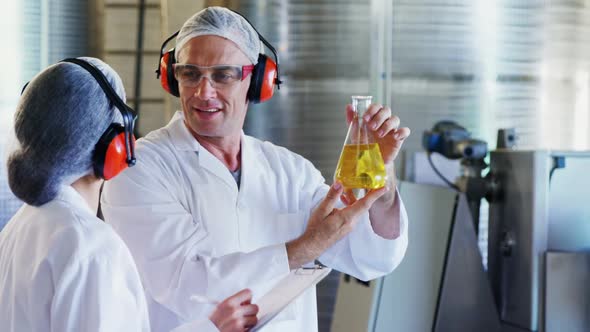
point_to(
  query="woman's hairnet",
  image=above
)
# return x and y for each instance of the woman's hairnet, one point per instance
(60, 117)
(222, 22)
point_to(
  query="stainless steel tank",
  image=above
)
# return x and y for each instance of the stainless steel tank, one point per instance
(323, 49)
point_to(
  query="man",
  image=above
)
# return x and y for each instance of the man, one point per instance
(214, 211)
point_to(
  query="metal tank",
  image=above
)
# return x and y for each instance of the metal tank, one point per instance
(322, 47)
(474, 62)
(491, 65)
(323, 50)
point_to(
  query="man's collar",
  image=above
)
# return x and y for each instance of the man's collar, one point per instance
(181, 137)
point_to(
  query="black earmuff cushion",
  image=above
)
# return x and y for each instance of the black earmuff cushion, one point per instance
(101, 148)
(172, 83)
(257, 80)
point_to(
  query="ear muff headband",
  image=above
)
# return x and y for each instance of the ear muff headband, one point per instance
(115, 149)
(264, 76)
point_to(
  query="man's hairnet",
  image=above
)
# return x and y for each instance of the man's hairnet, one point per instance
(222, 22)
(58, 121)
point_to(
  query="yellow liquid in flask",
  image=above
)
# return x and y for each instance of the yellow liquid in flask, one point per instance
(361, 166)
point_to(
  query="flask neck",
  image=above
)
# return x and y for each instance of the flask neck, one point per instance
(358, 114)
(360, 104)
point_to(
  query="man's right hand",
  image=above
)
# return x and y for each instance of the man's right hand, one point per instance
(328, 225)
(236, 313)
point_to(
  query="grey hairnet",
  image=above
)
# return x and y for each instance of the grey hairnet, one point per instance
(222, 22)
(58, 121)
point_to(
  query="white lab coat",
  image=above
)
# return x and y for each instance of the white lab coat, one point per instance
(63, 269)
(191, 231)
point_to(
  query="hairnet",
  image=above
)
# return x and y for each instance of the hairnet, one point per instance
(222, 22)
(58, 121)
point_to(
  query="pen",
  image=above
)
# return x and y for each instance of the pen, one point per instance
(203, 299)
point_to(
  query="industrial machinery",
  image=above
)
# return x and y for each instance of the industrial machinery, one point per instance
(455, 142)
(538, 271)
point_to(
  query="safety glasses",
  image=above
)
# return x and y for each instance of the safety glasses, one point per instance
(219, 76)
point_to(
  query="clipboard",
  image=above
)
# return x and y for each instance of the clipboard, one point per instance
(286, 291)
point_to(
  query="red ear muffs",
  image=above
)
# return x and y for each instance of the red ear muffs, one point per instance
(115, 150)
(264, 78)
(110, 154)
(167, 79)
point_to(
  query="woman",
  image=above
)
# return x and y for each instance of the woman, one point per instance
(62, 268)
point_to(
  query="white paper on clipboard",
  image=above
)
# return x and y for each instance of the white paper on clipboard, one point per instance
(287, 290)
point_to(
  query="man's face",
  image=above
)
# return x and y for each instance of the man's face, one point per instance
(214, 110)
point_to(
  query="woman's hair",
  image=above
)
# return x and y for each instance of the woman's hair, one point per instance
(60, 117)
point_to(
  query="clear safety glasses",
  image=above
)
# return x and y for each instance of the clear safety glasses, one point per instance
(219, 76)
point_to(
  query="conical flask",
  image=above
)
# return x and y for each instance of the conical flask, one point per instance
(360, 165)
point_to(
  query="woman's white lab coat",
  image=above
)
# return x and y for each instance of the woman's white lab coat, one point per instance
(63, 269)
(191, 231)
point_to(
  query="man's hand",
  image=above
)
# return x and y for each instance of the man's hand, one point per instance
(236, 313)
(328, 225)
(385, 130)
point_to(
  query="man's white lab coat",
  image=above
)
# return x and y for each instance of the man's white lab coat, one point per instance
(63, 269)
(191, 231)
